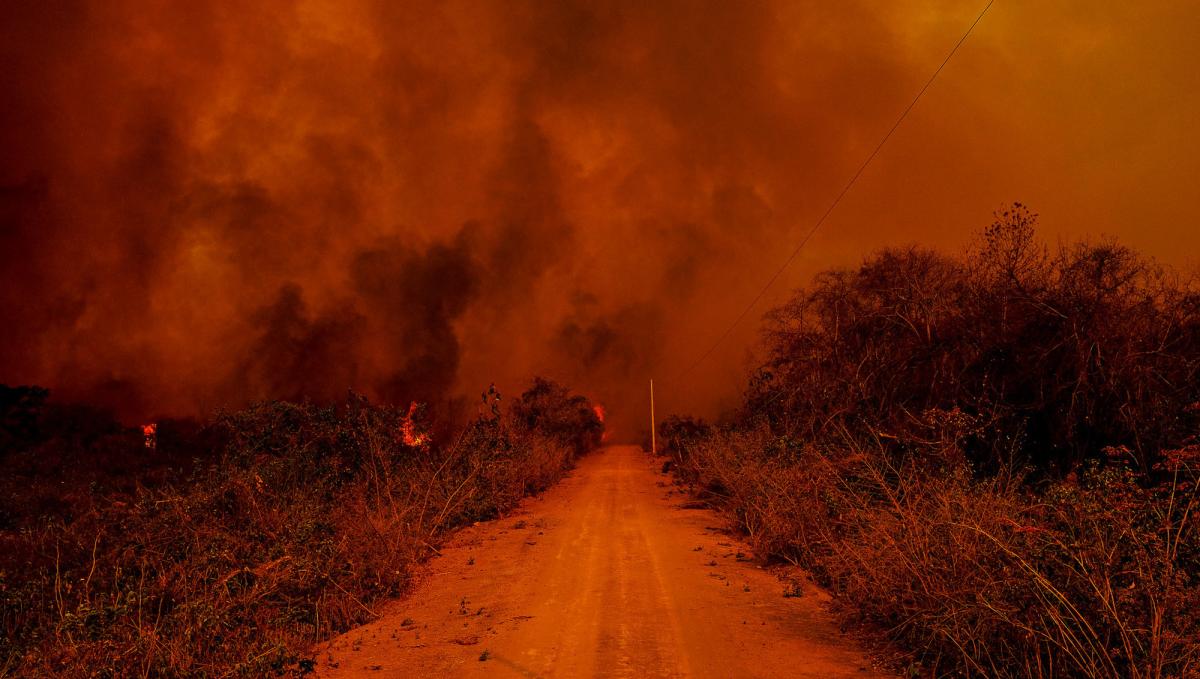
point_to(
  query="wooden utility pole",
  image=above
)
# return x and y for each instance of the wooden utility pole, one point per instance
(653, 436)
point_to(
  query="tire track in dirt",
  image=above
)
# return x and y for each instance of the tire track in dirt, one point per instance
(604, 575)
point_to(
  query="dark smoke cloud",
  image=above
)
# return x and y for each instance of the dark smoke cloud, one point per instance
(209, 202)
(297, 356)
(413, 298)
(621, 345)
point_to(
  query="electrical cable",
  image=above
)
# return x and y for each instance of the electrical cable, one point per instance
(838, 199)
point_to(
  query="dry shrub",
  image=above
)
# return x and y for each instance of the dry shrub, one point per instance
(1047, 356)
(991, 459)
(292, 529)
(1094, 577)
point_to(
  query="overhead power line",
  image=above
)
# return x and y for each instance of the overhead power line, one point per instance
(845, 189)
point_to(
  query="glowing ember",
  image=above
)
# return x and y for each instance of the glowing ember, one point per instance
(408, 430)
(150, 435)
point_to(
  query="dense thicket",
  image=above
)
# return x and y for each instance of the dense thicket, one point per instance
(991, 459)
(1017, 352)
(232, 548)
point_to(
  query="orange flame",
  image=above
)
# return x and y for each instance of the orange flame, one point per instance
(150, 434)
(408, 430)
(600, 413)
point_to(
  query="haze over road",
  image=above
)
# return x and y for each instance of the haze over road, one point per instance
(607, 574)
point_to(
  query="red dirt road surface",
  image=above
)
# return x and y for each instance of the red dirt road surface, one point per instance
(608, 574)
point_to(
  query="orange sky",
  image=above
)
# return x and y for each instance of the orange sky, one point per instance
(203, 203)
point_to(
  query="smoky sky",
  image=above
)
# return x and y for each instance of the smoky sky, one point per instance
(207, 203)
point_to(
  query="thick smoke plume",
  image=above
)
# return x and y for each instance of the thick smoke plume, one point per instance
(205, 203)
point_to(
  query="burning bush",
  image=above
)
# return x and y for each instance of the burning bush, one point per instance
(990, 459)
(295, 523)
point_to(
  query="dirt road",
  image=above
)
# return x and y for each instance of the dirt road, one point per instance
(608, 574)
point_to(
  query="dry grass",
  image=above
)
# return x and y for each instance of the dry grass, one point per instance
(1092, 578)
(303, 519)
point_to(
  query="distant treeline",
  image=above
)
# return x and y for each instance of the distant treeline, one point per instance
(991, 458)
(238, 543)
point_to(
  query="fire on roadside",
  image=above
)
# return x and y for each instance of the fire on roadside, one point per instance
(600, 413)
(408, 430)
